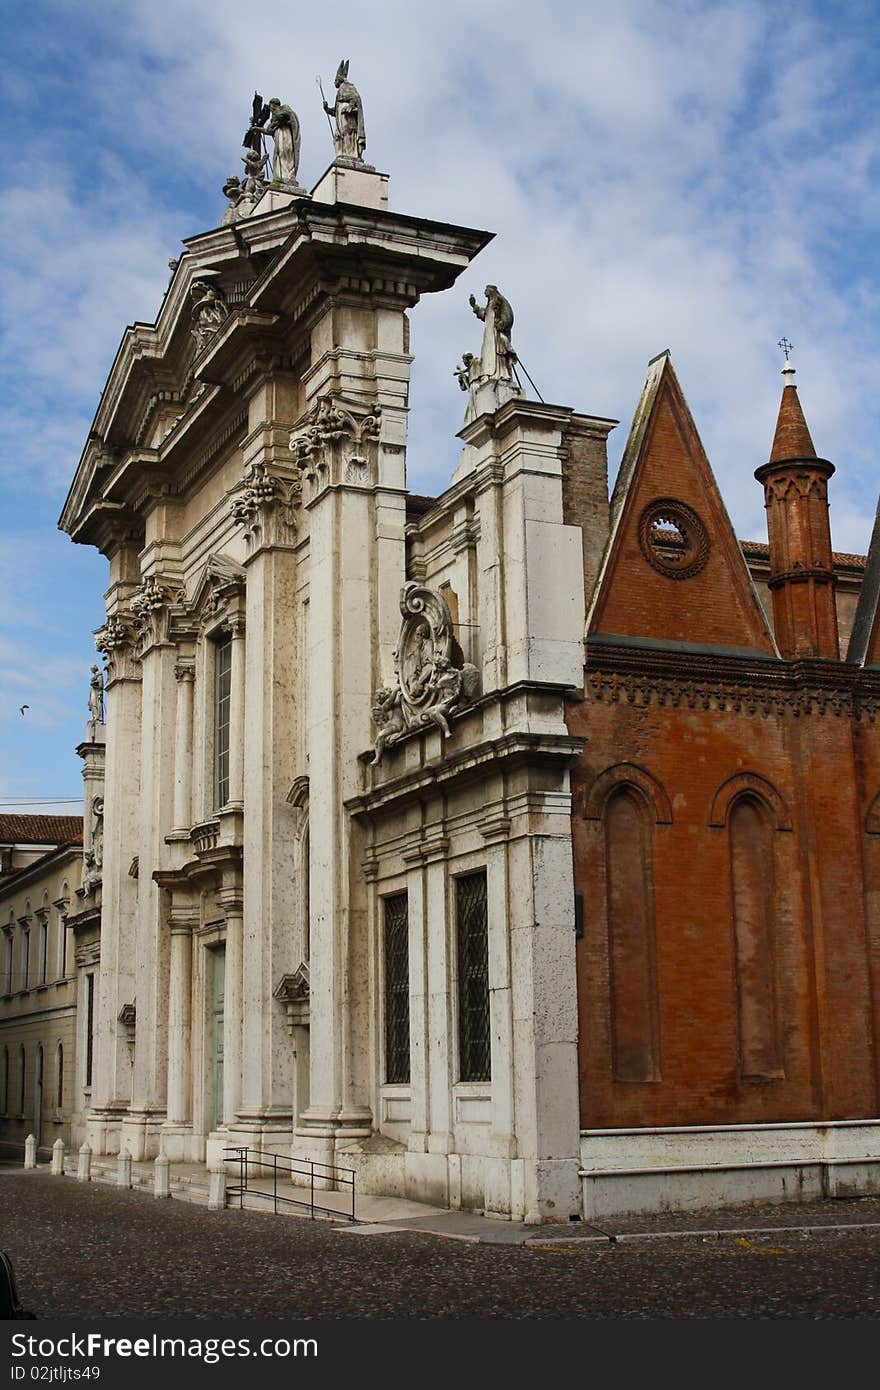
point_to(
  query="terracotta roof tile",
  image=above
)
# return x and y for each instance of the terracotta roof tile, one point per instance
(41, 830)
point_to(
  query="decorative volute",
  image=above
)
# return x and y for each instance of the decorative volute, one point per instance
(801, 562)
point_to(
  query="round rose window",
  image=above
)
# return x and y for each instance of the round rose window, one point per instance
(673, 538)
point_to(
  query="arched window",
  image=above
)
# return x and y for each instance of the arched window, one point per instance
(59, 1077)
(631, 947)
(753, 897)
(4, 1079)
(21, 1079)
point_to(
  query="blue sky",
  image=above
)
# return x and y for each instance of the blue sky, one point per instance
(675, 174)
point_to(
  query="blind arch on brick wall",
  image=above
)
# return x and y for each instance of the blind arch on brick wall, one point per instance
(632, 958)
(751, 833)
(872, 818)
(640, 782)
(759, 789)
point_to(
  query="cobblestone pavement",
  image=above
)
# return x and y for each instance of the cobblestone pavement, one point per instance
(84, 1251)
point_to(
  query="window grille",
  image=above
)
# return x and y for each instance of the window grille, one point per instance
(223, 686)
(474, 1050)
(90, 1026)
(397, 1061)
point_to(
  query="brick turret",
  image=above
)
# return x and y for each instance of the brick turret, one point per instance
(801, 567)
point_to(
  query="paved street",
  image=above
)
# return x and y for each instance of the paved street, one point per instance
(84, 1251)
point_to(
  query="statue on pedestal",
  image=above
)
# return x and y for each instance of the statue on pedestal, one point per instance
(490, 380)
(349, 137)
(96, 696)
(282, 123)
(497, 357)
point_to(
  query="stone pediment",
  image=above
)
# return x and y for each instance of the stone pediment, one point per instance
(293, 992)
(222, 580)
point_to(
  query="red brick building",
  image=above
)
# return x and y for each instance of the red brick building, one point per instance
(726, 824)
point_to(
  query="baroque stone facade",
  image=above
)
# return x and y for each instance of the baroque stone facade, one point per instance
(399, 871)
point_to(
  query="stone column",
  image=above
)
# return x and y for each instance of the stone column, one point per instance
(271, 746)
(236, 713)
(150, 1079)
(184, 674)
(231, 901)
(180, 1022)
(111, 1075)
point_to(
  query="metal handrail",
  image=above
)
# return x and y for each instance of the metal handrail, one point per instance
(302, 1167)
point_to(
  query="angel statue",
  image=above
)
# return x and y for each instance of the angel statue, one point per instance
(349, 139)
(282, 123)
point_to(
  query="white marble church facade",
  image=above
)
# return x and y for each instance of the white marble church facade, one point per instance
(306, 949)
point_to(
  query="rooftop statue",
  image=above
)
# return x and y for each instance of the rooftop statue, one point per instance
(349, 138)
(497, 357)
(282, 123)
(490, 379)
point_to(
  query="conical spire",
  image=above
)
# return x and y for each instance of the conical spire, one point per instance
(801, 577)
(792, 438)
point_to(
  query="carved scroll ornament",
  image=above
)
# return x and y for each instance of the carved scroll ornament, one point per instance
(429, 682)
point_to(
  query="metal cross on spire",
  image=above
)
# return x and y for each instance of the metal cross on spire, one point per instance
(786, 347)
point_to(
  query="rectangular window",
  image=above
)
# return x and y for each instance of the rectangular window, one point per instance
(25, 959)
(8, 968)
(90, 1026)
(62, 946)
(44, 951)
(223, 688)
(472, 932)
(397, 1066)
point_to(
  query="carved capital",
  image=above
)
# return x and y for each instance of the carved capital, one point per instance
(264, 504)
(336, 444)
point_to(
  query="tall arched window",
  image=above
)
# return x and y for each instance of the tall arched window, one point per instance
(59, 1077)
(22, 1079)
(4, 1080)
(635, 1027)
(753, 897)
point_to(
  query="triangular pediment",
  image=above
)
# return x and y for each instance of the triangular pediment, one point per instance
(221, 578)
(673, 569)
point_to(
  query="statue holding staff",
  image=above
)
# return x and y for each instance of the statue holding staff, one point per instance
(349, 137)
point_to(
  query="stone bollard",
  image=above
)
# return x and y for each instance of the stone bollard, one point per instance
(161, 1177)
(217, 1189)
(84, 1166)
(58, 1158)
(123, 1169)
(30, 1152)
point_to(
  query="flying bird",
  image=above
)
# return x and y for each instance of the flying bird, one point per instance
(24, 707)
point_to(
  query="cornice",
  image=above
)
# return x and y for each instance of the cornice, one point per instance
(473, 763)
(642, 676)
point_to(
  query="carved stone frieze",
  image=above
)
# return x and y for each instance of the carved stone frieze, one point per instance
(335, 444)
(431, 679)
